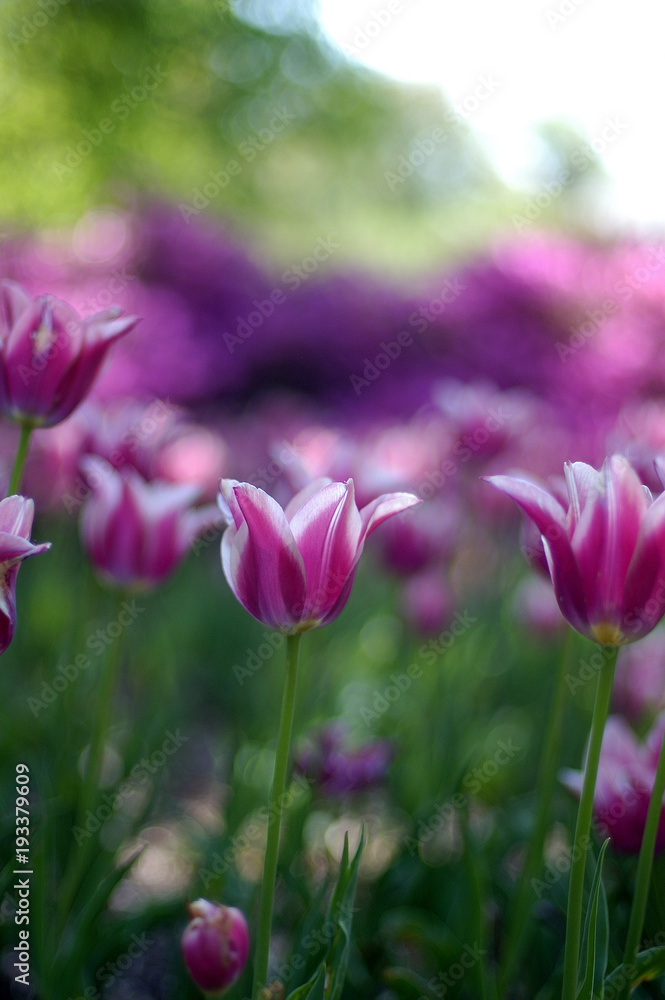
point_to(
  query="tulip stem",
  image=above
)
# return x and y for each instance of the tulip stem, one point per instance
(275, 816)
(644, 866)
(19, 461)
(545, 787)
(77, 864)
(583, 826)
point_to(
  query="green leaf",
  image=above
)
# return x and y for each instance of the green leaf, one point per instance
(595, 937)
(312, 990)
(340, 913)
(648, 965)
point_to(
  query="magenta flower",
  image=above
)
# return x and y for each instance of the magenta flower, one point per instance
(136, 532)
(293, 569)
(49, 356)
(16, 514)
(626, 775)
(215, 945)
(605, 549)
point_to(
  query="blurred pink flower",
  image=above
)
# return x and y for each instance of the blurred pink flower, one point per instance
(16, 514)
(427, 601)
(639, 681)
(49, 356)
(293, 569)
(134, 532)
(535, 606)
(605, 548)
(626, 774)
(215, 945)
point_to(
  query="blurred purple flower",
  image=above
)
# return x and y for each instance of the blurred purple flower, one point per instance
(337, 767)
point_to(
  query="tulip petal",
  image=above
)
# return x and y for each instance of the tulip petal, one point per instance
(327, 531)
(643, 599)
(262, 563)
(15, 300)
(303, 495)
(549, 517)
(375, 513)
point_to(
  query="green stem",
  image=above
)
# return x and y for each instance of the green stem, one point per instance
(583, 827)
(477, 881)
(78, 861)
(517, 926)
(275, 816)
(644, 866)
(19, 461)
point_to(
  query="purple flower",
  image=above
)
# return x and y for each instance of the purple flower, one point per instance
(49, 356)
(16, 514)
(605, 548)
(626, 774)
(215, 945)
(340, 769)
(293, 569)
(135, 532)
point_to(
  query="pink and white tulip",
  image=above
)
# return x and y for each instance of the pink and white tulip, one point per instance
(16, 514)
(605, 548)
(215, 945)
(49, 355)
(136, 532)
(293, 568)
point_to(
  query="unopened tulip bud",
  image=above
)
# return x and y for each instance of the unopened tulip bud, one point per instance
(215, 945)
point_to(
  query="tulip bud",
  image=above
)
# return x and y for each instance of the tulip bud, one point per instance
(215, 945)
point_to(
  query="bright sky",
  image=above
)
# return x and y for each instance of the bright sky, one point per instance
(598, 63)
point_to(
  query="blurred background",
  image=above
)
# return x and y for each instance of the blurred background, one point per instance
(403, 240)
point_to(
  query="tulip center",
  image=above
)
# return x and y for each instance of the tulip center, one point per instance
(43, 338)
(608, 634)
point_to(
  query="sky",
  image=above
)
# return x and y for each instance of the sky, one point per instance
(509, 64)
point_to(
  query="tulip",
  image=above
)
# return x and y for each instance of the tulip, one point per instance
(605, 548)
(49, 355)
(136, 532)
(215, 945)
(626, 775)
(16, 514)
(293, 569)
